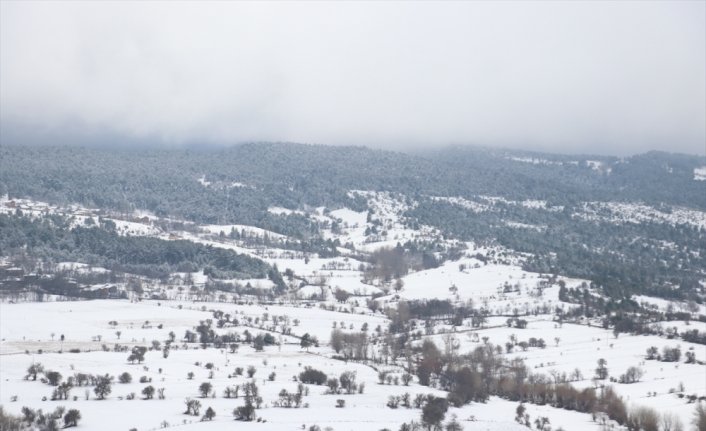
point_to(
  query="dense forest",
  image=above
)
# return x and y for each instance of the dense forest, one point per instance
(246, 179)
(238, 184)
(53, 239)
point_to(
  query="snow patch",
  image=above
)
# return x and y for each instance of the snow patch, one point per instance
(700, 173)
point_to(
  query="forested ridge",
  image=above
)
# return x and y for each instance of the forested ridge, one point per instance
(238, 184)
(293, 175)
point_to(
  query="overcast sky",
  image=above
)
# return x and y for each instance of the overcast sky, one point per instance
(595, 76)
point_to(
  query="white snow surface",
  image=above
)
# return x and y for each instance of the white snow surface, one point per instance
(82, 321)
(700, 173)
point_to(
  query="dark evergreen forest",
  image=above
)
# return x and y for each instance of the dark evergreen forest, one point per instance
(245, 180)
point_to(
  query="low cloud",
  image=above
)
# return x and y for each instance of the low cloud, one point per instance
(605, 77)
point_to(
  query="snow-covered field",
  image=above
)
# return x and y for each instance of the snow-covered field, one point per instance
(580, 347)
(81, 322)
(490, 278)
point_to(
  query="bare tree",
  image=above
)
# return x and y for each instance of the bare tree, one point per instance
(671, 422)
